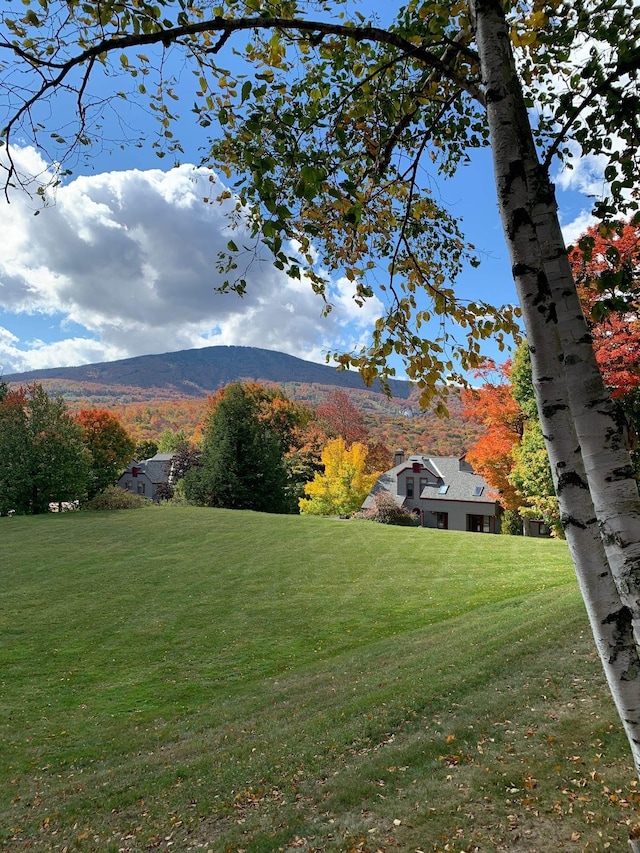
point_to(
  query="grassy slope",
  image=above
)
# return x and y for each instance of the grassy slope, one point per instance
(196, 679)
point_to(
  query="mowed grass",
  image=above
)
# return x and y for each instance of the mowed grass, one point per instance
(193, 679)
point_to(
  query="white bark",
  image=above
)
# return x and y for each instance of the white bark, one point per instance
(526, 208)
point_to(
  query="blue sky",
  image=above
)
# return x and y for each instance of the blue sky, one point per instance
(123, 264)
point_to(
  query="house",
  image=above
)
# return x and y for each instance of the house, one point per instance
(442, 491)
(143, 478)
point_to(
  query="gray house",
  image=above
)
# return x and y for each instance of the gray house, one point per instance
(442, 491)
(143, 478)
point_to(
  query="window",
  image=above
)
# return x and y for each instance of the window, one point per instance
(423, 484)
(442, 520)
(409, 487)
(539, 528)
(479, 523)
(443, 489)
(478, 491)
(141, 488)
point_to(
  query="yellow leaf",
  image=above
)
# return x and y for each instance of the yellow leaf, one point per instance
(538, 20)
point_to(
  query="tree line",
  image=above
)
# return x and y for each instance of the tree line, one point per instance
(262, 451)
(50, 456)
(259, 450)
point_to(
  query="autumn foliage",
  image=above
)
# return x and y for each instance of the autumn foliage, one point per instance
(606, 264)
(110, 445)
(340, 417)
(494, 407)
(344, 484)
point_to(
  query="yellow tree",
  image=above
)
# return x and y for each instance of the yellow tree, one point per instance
(344, 485)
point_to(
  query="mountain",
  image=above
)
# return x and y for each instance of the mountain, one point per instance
(198, 372)
(153, 393)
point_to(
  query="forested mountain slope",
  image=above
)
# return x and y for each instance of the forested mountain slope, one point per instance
(198, 372)
(169, 391)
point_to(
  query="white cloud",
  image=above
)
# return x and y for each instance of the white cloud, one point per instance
(40, 355)
(577, 227)
(587, 174)
(131, 258)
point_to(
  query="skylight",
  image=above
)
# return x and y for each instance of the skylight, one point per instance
(478, 491)
(443, 489)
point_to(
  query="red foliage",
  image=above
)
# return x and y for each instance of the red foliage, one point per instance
(340, 417)
(493, 407)
(606, 264)
(379, 457)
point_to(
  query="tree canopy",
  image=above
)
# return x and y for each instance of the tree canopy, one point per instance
(109, 444)
(43, 457)
(342, 486)
(606, 264)
(332, 128)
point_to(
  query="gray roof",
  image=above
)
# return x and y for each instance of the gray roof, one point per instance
(462, 484)
(157, 468)
(384, 483)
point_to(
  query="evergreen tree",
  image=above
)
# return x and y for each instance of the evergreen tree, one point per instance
(241, 463)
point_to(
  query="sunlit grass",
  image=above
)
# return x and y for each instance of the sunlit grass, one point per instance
(197, 679)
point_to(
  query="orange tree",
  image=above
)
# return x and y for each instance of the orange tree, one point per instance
(110, 445)
(493, 406)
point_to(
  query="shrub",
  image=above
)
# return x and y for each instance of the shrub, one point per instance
(116, 498)
(164, 492)
(511, 523)
(386, 511)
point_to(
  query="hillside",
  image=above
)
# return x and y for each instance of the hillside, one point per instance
(227, 681)
(156, 392)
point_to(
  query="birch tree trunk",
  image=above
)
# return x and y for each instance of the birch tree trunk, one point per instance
(529, 216)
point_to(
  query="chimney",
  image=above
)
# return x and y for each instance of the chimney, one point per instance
(398, 457)
(463, 465)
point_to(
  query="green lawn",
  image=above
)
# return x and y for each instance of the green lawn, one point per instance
(196, 679)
